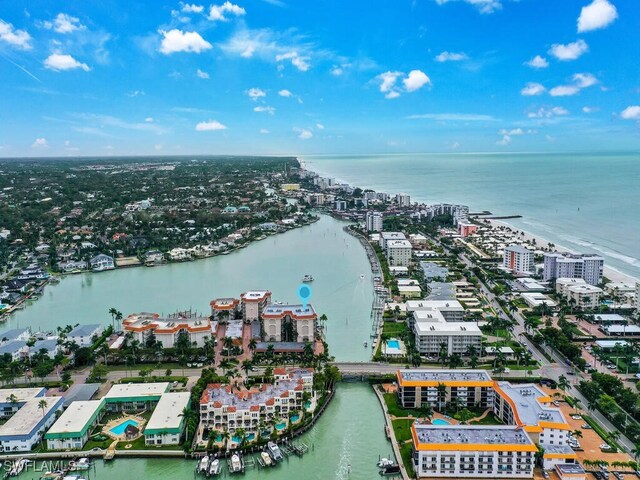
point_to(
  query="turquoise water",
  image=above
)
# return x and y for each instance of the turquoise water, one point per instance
(280, 426)
(583, 202)
(250, 438)
(439, 421)
(323, 249)
(393, 344)
(295, 418)
(119, 429)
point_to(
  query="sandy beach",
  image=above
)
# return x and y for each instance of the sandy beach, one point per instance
(611, 273)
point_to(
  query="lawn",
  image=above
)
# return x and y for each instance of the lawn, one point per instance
(396, 410)
(138, 444)
(394, 329)
(490, 419)
(402, 430)
(406, 452)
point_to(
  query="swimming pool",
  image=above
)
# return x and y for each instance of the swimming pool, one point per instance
(295, 418)
(439, 421)
(120, 428)
(248, 438)
(393, 344)
(280, 426)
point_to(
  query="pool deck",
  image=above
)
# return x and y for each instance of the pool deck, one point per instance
(141, 422)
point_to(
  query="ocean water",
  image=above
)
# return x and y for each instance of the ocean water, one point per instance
(583, 202)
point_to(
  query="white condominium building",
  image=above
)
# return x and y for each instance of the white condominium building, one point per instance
(399, 253)
(168, 330)
(289, 323)
(388, 236)
(253, 303)
(470, 451)
(432, 331)
(403, 200)
(373, 221)
(564, 265)
(227, 407)
(579, 292)
(518, 260)
(451, 310)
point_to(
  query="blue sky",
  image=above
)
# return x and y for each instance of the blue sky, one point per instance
(302, 77)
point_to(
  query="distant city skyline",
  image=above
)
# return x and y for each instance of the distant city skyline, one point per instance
(284, 77)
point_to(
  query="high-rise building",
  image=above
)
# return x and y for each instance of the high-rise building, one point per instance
(403, 200)
(373, 221)
(518, 260)
(565, 265)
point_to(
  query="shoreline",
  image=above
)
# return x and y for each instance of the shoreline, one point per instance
(611, 273)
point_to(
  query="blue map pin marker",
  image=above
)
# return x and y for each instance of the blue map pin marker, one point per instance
(304, 294)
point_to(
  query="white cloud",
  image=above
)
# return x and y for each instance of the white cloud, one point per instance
(12, 36)
(201, 74)
(58, 62)
(453, 117)
(40, 143)
(483, 6)
(598, 14)
(178, 41)
(336, 71)
(451, 57)
(300, 62)
(303, 133)
(570, 51)
(149, 119)
(564, 91)
(265, 109)
(412, 82)
(136, 93)
(319, 126)
(543, 112)
(64, 23)
(512, 133)
(264, 131)
(416, 80)
(256, 93)
(210, 125)
(631, 113)
(158, 146)
(285, 93)
(532, 89)
(504, 141)
(587, 109)
(584, 80)
(538, 62)
(580, 81)
(217, 12)
(192, 8)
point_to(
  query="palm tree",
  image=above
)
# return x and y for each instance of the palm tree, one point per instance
(577, 433)
(246, 366)
(253, 343)
(563, 383)
(442, 392)
(636, 452)
(113, 311)
(42, 405)
(118, 318)
(189, 417)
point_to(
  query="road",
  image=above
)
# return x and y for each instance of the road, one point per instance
(549, 369)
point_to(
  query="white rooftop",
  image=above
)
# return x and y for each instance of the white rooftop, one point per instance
(398, 244)
(25, 420)
(447, 328)
(530, 410)
(76, 416)
(21, 394)
(137, 390)
(168, 411)
(416, 305)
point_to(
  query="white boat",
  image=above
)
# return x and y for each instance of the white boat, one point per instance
(83, 464)
(362, 276)
(266, 459)
(203, 464)
(385, 462)
(236, 464)
(274, 452)
(18, 466)
(307, 278)
(214, 467)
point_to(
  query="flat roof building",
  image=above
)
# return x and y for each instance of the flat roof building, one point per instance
(71, 431)
(167, 329)
(166, 424)
(135, 396)
(25, 428)
(11, 399)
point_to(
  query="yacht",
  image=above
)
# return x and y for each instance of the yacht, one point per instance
(307, 278)
(236, 463)
(214, 467)
(385, 462)
(83, 464)
(274, 452)
(203, 464)
(266, 459)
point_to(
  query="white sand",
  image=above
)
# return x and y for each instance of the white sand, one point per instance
(609, 272)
